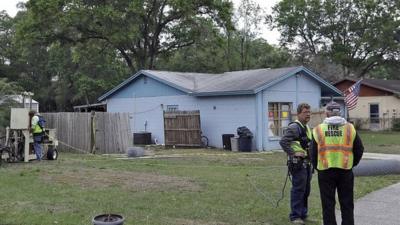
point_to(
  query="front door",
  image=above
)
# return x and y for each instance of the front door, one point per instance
(374, 122)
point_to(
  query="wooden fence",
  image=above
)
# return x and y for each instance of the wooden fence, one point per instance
(95, 132)
(182, 128)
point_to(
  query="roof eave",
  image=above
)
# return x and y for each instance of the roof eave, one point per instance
(380, 88)
(222, 93)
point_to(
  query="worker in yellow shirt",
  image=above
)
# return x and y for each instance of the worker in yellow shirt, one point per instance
(295, 142)
(37, 132)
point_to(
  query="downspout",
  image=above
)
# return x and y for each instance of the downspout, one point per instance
(265, 118)
(260, 122)
(297, 89)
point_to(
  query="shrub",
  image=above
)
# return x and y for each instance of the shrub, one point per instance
(396, 124)
(357, 122)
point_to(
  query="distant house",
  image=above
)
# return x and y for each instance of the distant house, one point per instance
(262, 100)
(18, 99)
(378, 102)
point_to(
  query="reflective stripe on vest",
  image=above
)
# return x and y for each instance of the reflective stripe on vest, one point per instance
(335, 146)
(295, 145)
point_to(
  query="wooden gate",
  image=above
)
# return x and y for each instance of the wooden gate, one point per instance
(182, 128)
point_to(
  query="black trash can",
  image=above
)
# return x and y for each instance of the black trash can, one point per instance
(245, 144)
(226, 141)
(245, 139)
(142, 138)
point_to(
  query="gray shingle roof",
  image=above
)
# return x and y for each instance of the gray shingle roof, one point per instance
(385, 85)
(388, 85)
(237, 82)
(245, 80)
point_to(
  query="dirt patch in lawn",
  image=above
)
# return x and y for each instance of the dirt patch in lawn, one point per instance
(179, 221)
(133, 181)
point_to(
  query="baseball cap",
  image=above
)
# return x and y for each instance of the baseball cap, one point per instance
(333, 107)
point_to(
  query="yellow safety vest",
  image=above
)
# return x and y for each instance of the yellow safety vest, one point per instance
(36, 128)
(335, 146)
(296, 145)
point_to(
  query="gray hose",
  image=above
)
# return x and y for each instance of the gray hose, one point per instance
(377, 167)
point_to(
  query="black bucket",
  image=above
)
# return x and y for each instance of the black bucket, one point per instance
(226, 141)
(108, 219)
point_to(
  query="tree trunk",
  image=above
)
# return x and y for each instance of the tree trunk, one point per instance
(242, 52)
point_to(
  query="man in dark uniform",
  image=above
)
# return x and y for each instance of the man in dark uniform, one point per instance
(336, 148)
(295, 142)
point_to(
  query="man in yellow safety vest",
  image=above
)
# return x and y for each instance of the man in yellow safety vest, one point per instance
(295, 142)
(37, 132)
(336, 148)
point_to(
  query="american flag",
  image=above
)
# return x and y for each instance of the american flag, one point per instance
(351, 95)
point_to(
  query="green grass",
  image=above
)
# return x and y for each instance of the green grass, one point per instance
(201, 187)
(381, 142)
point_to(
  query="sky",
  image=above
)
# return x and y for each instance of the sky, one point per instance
(272, 36)
(10, 6)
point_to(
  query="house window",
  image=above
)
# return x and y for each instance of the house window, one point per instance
(279, 118)
(172, 108)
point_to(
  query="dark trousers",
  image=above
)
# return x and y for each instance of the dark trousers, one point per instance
(301, 179)
(37, 146)
(329, 181)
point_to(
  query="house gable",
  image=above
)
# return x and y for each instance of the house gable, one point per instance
(326, 88)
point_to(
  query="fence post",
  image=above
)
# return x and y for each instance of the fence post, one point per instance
(92, 132)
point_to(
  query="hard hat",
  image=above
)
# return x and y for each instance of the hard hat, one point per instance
(333, 107)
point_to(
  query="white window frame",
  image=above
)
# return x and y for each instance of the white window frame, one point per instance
(279, 113)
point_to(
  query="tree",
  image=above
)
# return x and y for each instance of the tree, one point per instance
(213, 54)
(250, 14)
(357, 34)
(139, 30)
(6, 43)
(263, 55)
(6, 89)
(61, 74)
(83, 72)
(390, 71)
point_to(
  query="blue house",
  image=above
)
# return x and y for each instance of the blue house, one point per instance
(262, 100)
